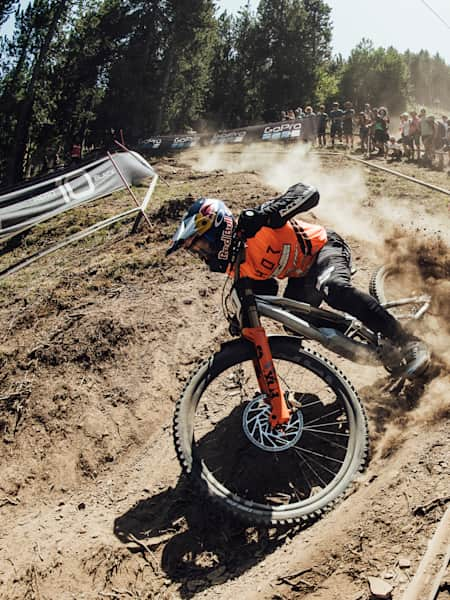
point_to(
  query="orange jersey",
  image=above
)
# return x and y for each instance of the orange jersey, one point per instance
(288, 251)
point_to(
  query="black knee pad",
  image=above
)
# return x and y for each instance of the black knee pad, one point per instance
(301, 291)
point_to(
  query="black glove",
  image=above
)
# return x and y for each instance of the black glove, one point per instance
(250, 221)
(298, 198)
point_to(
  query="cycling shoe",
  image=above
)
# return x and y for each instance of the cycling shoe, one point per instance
(415, 359)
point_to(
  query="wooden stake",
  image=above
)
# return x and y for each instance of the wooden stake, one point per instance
(427, 580)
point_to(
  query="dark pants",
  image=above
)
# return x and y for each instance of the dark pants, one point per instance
(329, 279)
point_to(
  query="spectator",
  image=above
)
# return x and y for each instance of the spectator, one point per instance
(373, 113)
(283, 115)
(75, 152)
(372, 118)
(322, 120)
(299, 114)
(290, 115)
(363, 125)
(405, 137)
(380, 131)
(384, 114)
(414, 132)
(336, 115)
(439, 140)
(394, 149)
(446, 123)
(427, 129)
(447, 146)
(347, 123)
(309, 126)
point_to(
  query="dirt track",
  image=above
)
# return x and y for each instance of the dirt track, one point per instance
(95, 345)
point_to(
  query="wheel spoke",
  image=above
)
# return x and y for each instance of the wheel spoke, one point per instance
(321, 455)
(303, 472)
(326, 432)
(328, 424)
(321, 466)
(330, 442)
(335, 412)
(305, 406)
(304, 461)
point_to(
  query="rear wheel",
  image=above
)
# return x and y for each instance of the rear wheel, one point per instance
(263, 475)
(390, 285)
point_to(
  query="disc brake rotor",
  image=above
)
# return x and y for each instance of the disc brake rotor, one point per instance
(256, 425)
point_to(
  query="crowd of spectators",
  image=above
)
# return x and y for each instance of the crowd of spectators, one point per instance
(420, 137)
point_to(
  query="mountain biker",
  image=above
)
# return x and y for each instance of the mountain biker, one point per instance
(316, 261)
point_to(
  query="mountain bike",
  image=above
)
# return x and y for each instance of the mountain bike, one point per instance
(271, 430)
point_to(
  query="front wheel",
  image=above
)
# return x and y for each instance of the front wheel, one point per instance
(225, 444)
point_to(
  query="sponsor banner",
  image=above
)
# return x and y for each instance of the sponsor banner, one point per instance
(152, 143)
(186, 141)
(279, 131)
(282, 131)
(229, 137)
(167, 143)
(34, 203)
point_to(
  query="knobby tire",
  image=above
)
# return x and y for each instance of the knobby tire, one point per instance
(258, 486)
(377, 284)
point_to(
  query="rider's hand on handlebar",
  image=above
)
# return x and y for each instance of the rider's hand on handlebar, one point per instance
(250, 222)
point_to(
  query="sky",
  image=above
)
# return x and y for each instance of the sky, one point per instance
(403, 24)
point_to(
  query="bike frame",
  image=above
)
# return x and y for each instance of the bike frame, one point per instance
(333, 331)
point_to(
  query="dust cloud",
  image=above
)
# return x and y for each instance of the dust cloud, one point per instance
(345, 198)
(435, 404)
(343, 193)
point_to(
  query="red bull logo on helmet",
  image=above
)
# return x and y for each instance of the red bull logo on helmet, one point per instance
(226, 237)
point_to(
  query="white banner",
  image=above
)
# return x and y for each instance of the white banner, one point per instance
(34, 203)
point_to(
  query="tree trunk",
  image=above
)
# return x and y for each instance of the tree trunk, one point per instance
(161, 113)
(15, 166)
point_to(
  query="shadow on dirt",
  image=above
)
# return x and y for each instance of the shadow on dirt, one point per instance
(198, 546)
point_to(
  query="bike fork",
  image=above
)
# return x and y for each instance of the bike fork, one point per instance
(267, 376)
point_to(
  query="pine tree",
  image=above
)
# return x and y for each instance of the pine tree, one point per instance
(220, 108)
(187, 55)
(46, 18)
(6, 9)
(294, 39)
(160, 81)
(375, 75)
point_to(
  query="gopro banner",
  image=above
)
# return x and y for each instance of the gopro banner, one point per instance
(167, 143)
(34, 203)
(268, 132)
(229, 137)
(282, 131)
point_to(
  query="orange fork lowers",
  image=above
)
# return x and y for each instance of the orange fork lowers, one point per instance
(266, 374)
